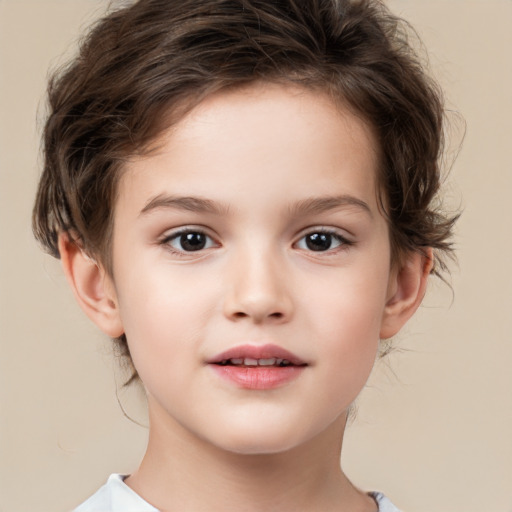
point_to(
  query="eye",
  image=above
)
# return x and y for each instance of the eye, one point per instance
(189, 241)
(321, 241)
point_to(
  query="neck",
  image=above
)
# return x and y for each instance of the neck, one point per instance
(182, 472)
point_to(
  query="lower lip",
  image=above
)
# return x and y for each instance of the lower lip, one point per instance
(258, 377)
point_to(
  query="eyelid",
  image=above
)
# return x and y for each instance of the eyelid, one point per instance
(337, 233)
(169, 234)
(175, 233)
(328, 230)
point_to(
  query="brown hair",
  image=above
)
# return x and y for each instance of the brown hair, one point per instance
(144, 66)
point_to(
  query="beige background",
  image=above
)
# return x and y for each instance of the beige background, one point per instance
(434, 426)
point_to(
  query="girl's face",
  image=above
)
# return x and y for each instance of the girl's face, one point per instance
(252, 268)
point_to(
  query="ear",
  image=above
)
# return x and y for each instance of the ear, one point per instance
(93, 288)
(407, 286)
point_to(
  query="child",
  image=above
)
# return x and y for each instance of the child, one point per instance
(241, 193)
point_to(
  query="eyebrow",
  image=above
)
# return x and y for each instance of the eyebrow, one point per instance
(191, 204)
(304, 207)
(324, 204)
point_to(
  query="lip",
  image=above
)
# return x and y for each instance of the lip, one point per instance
(257, 352)
(257, 377)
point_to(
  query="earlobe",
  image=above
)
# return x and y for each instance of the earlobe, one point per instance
(406, 290)
(92, 287)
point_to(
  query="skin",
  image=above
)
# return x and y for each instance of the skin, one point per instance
(267, 166)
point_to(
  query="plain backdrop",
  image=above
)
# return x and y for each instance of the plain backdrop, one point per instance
(434, 424)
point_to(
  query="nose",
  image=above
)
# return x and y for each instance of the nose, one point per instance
(258, 289)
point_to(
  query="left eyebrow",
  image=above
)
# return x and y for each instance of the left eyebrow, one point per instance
(324, 204)
(187, 203)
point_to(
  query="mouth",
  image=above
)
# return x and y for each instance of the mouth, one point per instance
(249, 362)
(251, 356)
(257, 367)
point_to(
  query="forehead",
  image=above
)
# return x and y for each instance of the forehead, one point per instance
(268, 139)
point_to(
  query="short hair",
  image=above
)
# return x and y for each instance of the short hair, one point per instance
(145, 65)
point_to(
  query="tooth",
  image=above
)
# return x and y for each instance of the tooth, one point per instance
(250, 362)
(285, 362)
(279, 362)
(237, 361)
(267, 362)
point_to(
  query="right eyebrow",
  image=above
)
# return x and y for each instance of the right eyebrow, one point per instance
(326, 203)
(187, 203)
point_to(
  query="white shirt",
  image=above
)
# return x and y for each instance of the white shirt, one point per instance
(116, 496)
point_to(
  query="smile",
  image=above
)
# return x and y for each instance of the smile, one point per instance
(257, 367)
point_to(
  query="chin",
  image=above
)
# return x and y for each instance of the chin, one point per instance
(262, 448)
(259, 439)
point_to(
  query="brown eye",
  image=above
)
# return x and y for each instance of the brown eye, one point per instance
(318, 241)
(189, 241)
(321, 241)
(192, 241)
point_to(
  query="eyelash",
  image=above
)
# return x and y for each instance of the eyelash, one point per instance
(343, 242)
(176, 235)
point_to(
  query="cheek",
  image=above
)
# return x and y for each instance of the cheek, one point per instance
(351, 343)
(162, 314)
(347, 322)
(347, 360)
(348, 306)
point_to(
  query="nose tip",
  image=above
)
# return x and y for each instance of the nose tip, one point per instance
(258, 292)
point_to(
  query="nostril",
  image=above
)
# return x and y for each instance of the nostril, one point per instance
(276, 315)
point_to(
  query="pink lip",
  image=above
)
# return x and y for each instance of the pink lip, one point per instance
(257, 377)
(257, 352)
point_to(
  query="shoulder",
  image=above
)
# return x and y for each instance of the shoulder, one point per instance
(384, 504)
(115, 496)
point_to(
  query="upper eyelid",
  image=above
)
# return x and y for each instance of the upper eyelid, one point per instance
(329, 230)
(171, 233)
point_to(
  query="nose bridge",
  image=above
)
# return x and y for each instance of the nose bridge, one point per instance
(258, 288)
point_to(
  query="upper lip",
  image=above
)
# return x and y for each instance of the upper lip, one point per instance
(268, 351)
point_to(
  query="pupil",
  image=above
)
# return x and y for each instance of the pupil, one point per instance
(193, 241)
(318, 241)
